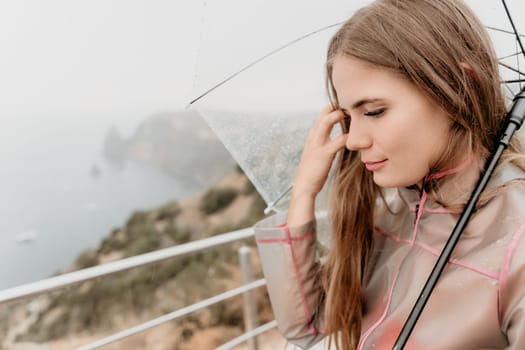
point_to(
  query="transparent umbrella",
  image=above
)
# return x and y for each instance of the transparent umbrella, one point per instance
(259, 78)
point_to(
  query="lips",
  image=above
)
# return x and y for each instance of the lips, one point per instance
(374, 166)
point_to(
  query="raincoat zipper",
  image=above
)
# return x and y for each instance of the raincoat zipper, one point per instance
(419, 201)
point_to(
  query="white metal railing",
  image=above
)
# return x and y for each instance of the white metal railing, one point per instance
(49, 284)
(248, 335)
(52, 283)
(173, 315)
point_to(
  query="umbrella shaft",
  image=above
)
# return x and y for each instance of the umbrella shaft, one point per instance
(446, 252)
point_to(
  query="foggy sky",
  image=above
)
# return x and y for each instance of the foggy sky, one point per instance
(96, 58)
(125, 59)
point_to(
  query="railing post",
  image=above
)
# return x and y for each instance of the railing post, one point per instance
(250, 308)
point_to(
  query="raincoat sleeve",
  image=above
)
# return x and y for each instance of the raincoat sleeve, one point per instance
(512, 291)
(291, 267)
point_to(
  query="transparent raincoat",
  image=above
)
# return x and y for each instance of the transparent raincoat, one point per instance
(479, 302)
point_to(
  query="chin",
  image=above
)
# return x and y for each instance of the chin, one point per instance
(383, 180)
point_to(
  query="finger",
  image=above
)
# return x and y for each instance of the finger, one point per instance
(327, 124)
(337, 143)
(320, 132)
(329, 108)
(333, 117)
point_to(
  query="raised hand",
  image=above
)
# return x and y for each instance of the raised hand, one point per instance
(317, 157)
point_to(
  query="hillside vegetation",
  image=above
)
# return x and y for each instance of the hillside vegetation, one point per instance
(89, 311)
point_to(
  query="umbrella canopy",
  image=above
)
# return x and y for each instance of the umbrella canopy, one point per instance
(260, 77)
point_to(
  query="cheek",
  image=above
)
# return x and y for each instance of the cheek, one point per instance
(436, 138)
(414, 136)
(401, 140)
(419, 161)
(423, 152)
(424, 136)
(412, 152)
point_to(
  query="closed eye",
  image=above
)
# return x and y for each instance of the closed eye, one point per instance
(375, 112)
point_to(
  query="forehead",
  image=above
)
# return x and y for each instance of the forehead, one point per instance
(355, 80)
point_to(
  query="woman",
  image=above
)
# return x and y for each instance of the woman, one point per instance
(414, 85)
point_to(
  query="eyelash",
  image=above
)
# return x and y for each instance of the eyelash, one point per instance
(372, 114)
(375, 113)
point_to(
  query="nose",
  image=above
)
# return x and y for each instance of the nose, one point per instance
(359, 137)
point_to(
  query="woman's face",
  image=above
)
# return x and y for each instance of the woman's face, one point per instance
(398, 131)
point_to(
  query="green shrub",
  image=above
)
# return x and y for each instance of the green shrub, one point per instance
(169, 211)
(248, 188)
(86, 259)
(216, 199)
(142, 239)
(111, 243)
(137, 218)
(255, 212)
(179, 236)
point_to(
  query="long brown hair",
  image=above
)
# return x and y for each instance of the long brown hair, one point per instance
(443, 49)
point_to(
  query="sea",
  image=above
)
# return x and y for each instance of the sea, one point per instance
(59, 196)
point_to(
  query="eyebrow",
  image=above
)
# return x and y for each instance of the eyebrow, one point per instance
(362, 102)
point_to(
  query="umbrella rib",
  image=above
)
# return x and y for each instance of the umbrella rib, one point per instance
(504, 31)
(320, 30)
(509, 89)
(513, 81)
(509, 56)
(518, 39)
(514, 27)
(259, 60)
(518, 64)
(511, 68)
